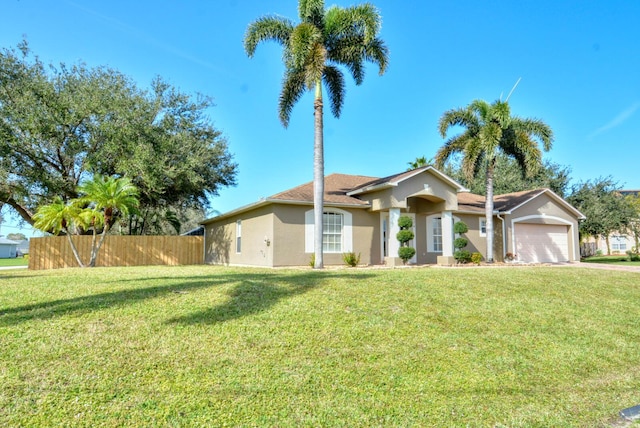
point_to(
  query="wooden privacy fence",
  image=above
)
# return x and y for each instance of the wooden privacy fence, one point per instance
(54, 252)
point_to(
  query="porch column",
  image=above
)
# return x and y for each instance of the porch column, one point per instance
(394, 244)
(447, 234)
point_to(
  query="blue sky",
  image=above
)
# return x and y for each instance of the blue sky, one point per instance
(579, 62)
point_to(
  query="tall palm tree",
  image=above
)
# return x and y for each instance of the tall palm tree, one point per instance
(489, 130)
(107, 198)
(313, 50)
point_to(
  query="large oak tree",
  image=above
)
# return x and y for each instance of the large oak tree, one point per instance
(62, 125)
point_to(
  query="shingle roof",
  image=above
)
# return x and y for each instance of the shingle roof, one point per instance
(502, 203)
(336, 187)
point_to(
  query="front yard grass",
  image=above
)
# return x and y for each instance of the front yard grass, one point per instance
(213, 346)
(618, 259)
(14, 261)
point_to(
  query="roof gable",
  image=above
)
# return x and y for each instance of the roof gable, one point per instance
(509, 202)
(396, 179)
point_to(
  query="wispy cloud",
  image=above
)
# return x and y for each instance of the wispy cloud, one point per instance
(618, 120)
(145, 37)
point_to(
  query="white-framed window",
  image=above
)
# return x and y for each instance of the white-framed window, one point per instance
(434, 234)
(332, 232)
(336, 231)
(483, 227)
(618, 243)
(238, 236)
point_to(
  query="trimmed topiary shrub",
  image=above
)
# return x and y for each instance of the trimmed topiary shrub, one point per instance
(476, 258)
(461, 256)
(460, 243)
(460, 227)
(405, 252)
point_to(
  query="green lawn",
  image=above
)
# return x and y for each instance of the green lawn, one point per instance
(620, 260)
(212, 346)
(16, 261)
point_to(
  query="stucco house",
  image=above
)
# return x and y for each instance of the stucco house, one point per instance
(361, 215)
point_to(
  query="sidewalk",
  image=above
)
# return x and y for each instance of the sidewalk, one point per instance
(13, 267)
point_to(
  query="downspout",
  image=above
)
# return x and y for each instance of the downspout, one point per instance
(504, 237)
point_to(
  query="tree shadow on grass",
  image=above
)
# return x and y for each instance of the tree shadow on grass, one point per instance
(254, 293)
(258, 293)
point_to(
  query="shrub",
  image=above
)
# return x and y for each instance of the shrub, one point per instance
(405, 222)
(404, 236)
(351, 259)
(460, 243)
(406, 253)
(634, 256)
(476, 258)
(462, 256)
(312, 260)
(598, 252)
(460, 227)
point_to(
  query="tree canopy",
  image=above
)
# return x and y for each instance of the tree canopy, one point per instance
(62, 125)
(509, 177)
(606, 210)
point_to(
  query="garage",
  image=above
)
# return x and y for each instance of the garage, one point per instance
(542, 243)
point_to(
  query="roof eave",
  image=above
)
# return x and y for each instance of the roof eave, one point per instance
(270, 201)
(371, 188)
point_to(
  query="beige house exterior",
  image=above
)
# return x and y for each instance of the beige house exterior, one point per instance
(361, 216)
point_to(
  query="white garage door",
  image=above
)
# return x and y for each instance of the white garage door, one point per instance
(542, 243)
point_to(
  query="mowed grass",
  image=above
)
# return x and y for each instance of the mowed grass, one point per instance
(214, 346)
(619, 259)
(14, 261)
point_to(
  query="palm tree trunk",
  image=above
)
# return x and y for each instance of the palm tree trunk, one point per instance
(74, 250)
(318, 177)
(488, 208)
(96, 248)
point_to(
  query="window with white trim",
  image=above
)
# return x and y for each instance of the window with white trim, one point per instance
(483, 227)
(436, 234)
(238, 236)
(332, 232)
(337, 231)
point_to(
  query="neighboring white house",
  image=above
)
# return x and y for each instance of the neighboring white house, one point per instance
(8, 248)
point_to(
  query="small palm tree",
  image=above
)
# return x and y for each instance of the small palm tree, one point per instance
(103, 200)
(59, 217)
(313, 50)
(107, 198)
(489, 130)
